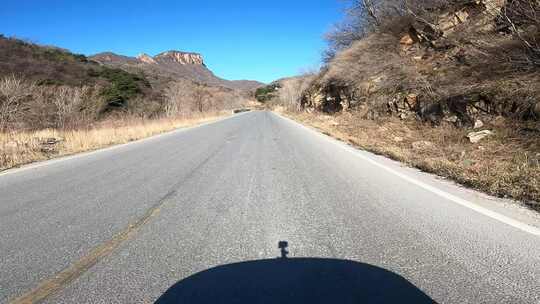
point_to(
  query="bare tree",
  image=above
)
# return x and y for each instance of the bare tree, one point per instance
(68, 102)
(179, 98)
(522, 19)
(366, 16)
(13, 92)
(201, 98)
(184, 97)
(292, 89)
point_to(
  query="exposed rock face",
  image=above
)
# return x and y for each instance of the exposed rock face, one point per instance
(475, 137)
(168, 57)
(329, 97)
(146, 59)
(180, 57)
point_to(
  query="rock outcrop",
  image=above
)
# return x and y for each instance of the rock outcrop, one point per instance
(180, 57)
(475, 137)
(144, 58)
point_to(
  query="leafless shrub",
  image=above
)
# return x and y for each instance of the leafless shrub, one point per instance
(146, 107)
(367, 16)
(179, 98)
(63, 107)
(201, 98)
(24, 105)
(68, 102)
(522, 19)
(291, 91)
(13, 93)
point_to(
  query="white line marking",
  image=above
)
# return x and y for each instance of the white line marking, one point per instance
(489, 213)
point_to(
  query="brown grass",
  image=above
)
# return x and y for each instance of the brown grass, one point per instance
(506, 164)
(23, 147)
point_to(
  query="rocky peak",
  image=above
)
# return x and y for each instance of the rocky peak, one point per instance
(145, 58)
(180, 57)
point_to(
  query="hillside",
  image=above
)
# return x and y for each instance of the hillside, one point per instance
(172, 65)
(44, 86)
(47, 66)
(451, 87)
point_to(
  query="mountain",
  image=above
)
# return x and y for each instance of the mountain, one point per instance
(171, 65)
(127, 84)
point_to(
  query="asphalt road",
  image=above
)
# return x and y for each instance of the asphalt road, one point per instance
(359, 227)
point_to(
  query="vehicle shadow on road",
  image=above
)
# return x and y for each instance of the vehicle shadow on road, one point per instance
(294, 280)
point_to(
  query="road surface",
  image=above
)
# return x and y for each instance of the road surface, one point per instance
(125, 224)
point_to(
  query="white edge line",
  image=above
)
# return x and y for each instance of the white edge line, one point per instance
(43, 163)
(489, 213)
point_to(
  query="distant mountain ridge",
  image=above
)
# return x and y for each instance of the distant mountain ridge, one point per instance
(171, 65)
(121, 82)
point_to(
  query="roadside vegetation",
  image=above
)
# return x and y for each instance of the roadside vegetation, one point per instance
(450, 87)
(23, 147)
(53, 103)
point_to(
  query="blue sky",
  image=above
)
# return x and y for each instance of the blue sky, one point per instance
(260, 40)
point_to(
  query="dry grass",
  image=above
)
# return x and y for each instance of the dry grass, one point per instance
(506, 164)
(23, 147)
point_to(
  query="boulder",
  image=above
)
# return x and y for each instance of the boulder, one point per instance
(406, 40)
(451, 119)
(475, 137)
(449, 21)
(478, 124)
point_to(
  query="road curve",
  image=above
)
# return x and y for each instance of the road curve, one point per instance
(130, 222)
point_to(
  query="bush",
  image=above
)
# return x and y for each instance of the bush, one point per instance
(25, 105)
(266, 93)
(122, 85)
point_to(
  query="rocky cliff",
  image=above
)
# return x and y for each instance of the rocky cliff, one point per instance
(180, 57)
(169, 57)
